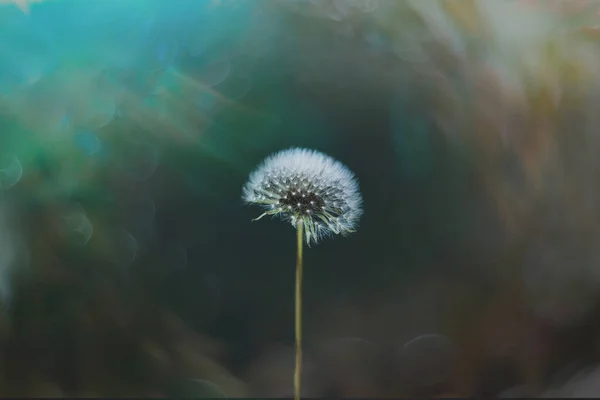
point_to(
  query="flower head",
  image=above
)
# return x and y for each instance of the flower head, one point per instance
(308, 186)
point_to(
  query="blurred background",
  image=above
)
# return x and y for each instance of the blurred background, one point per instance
(129, 265)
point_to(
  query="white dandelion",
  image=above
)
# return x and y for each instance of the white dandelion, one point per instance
(316, 194)
(310, 187)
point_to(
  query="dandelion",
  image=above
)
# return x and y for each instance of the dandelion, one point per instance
(318, 195)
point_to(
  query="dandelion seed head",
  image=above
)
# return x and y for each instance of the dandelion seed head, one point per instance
(307, 186)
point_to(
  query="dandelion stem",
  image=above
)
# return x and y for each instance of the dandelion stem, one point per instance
(298, 370)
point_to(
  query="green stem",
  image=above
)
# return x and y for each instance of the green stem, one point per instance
(298, 371)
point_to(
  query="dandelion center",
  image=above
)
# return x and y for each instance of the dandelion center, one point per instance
(302, 201)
